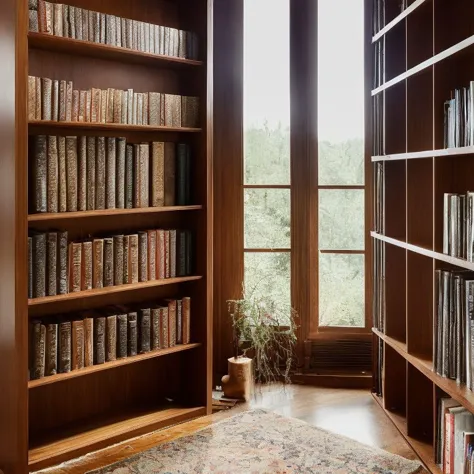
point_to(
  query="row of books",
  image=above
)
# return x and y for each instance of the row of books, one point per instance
(454, 326)
(458, 221)
(458, 118)
(58, 267)
(57, 100)
(64, 343)
(93, 173)
(81, 24)
(454, 440)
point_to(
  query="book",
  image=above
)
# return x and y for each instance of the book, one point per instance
(111, 169)
(164, 337)
(120, 179)
(183, 173)
(129, 177)
(38, 350)
(155, 329)
(62, 175)
(179, 321)
(172, 253)
(63, 257)
(160, 254)
(51, 348)
(87, 264)
(181, 254)
(52, 264)
(154, 106)
(100, 177)
(126, 259)
(99, 340)
(88, 341)
(172, 313)
(66, 25)
(62, 100)
(151, 247)
(170, 174)
(132, 335)
(75, 106)
(157, 174)
(189, 112)
(69, 94)
(52, 175)
(64, 349)
(133, 259)
(82, 174)
(167, 253)
(122, 336)
(111, 338)
(141, 178)
(71, 173)
(75, 266)
(98, 263)
(143, 256)
(77, 344)
(118, 259)
(45, 17)
(31, 96)
(40, 171)
(39, 265)
(186, 314)
(103, 106)
(118, 106)
(78, 23)
(110, 105)
(96, 106)
(91, 173)
(182, 44)
(55, 101)
(39, 100)
(144, 333)
(124, 107)
(108, 261)
(33, 24)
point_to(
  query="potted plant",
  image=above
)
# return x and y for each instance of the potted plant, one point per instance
(264, 336)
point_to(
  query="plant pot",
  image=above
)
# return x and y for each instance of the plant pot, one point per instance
(239, 382)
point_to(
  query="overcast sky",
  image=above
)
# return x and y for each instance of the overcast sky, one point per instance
(341, 69)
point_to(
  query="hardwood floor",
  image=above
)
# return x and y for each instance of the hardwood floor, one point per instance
(352, 413)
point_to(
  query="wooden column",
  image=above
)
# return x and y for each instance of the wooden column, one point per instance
(13, 241)
(228, 172)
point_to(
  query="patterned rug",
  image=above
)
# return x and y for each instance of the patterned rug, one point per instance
(263, 442)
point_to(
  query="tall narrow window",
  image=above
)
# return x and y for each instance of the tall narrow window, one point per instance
(267, 151)
(341, 163)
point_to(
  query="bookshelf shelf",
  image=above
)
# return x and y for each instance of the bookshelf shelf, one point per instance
(110, 365)
(101, 432)
(60, 216)
(465, 150)
(35, 125)
(103, 51)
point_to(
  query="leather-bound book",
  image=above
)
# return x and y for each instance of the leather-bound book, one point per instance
(118, 259)
(144, 330)
(85, 25)
(58, 19)
(118, 106)
(40, 171)
(103, 105)
(118, 38)
(167, 254)
(144, 179)
(179, 321)
(77, 344)
(186, 310)
(182, 46)
(145, 109)
(111, 338)
(174, 42)
(111, 33)
(69, 91)
(164, 327)
(63, 286)
(172, 322)
(181, 253)
(173, 253)
(96, 27)
(110, 105)
(183, 167)
(62, 175)
(33, 24)
(45, 17)
(88, 107)
(88, 341)
(128, 33)
(75, 263)
(103, 28)
(46, 95)
(82, 106)
(31, 98)
(129, 179)
(39, 265)
(133, 258)
(154, 104)
(71, 173)
(190, 112)
(140, 109)
(108, 261)
(160, 254)
(100, 174)
(38, 350)
(132, 342)
(170, 174)
(30, 267)
(72, 21)
(155, 328)
(151, 254)
(64, 349)
(62, 100)
(120, 179)
(87, 264)
(39, 100)
(91, 164)
(55, 101)
(157, 39)
(95, 106)
(175, 111)
(135, 109)
(51, 362)
(98, 263)
(167, 38)
(99, 340)
(143, 256)
(141, 36)
(82, 174)
(152, 39)
(189, 252)
(122, 339)
(130, 97)
(124, 107)
(158, 174)
(110, 172)
(168, 109)
(126, 259)
(52, 264)
(161, 40)
(146, 45)
(75, 106)
(66, 25)
(53, 174)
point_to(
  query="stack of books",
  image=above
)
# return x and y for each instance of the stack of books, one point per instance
(57, 100)
(71, 174)
(58, 267)
(81, 24)
(458, 116)
(60, 344)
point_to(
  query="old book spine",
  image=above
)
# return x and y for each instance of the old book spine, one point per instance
(186, 310)
(111, 169)
(172, 253)
(130, 96)
(167, 41)
(167, 104)
(176, 111)
(87, 263)
(152, 39)
(160, 254)
(111, 30)
(77, 345)
(103, 106)
(85, 25)
(145, 109)
(96, 27)
(172, 322)
(124, 32)
(30, 267)
(126, 259)
(82, 106)
(31, 98)
(144, 174)
(136, 176)
(40, 172)
(128, 33)
(33, 24)
(98, 263)
(118, 259)
(157, 39)
(139, 109)
(39, 343)
(62, 263)
(92, 16)
(108, 261)
(62, 100)
(62, 175)
(158, 174)
(79, 24)
(88, 116)
(75, 106)
(100, 174)
(135, 109)
(88, 342)
(133, 259)
(141, 36)
(65, 335)
(58, 19)
(110, 105)
(52, 264)
(95, 106)
(71, 171)
(99, 340)
(103, 28)
(91, 164)
(154, 99)
(132, 342)
(39, 100)
(122, 341)
(55, 101)
(179, 321)
(129, 180)
(52, 177)
(66, 25)
(46, 95)
(39, 265)
(82, 174)
(181, 253)
(170, 174)
(167, 254)
(165, 340)
(120, 179)
(75, 260)
(124, 107)
(118, 106)
(143, 256)
(45, 12)
(147, 37)
(182, 47)
(144, 333)
(111, 338)
(155, 329)
(162, 40)
(69, 91)
(152, 275)
(51, 349)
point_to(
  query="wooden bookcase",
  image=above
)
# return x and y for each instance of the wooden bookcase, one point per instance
(56, 418)
(429, 51)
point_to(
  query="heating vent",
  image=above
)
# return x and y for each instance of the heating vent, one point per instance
(341, 355)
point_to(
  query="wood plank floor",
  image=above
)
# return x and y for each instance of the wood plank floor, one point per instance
(352, 413)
